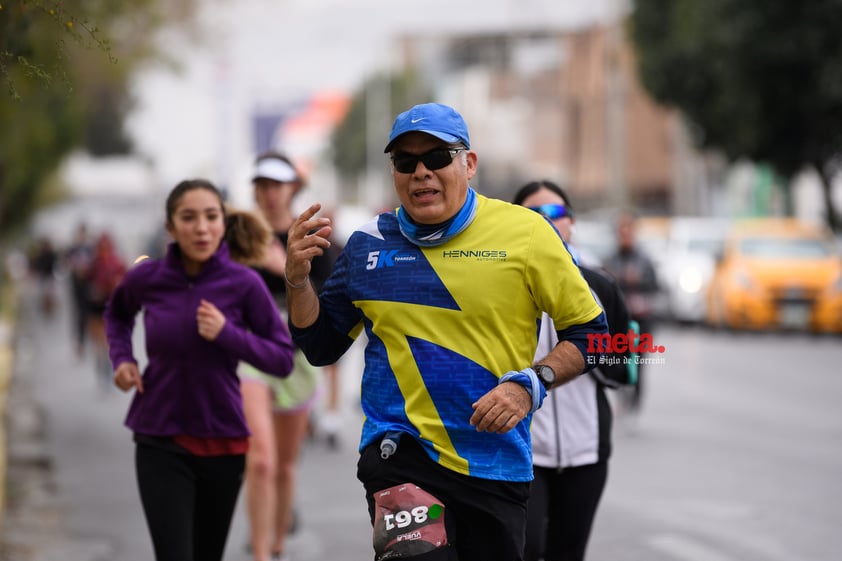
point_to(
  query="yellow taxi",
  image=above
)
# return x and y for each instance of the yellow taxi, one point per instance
(777, 273)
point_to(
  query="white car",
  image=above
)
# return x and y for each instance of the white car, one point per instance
(689, 259)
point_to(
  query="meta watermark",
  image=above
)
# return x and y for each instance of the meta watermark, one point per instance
(640, 347)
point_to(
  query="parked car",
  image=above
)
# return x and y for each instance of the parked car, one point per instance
(689, 260)
(777, 273)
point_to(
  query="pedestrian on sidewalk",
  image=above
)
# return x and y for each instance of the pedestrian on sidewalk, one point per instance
(203, 314)
(449, 288)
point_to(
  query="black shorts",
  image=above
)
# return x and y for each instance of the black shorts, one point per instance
(485, 518)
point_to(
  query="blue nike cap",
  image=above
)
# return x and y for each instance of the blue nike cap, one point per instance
(441, 121)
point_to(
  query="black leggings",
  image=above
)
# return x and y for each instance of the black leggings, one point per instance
(188, 501)
(561, 509)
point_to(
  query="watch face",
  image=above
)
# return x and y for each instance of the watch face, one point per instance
(546, 374)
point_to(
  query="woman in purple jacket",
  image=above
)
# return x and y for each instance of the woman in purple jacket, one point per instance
(203, 313)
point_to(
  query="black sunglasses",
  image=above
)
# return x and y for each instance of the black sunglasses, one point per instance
(553, 211)
(433, 160)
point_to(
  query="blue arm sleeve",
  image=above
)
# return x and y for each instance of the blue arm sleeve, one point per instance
(582, 335)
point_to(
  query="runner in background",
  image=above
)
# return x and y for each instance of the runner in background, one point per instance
(571, 433)
(277, 411)
(329, 422)
(43, 264)
(635, 273)
(105, 271)
(77, 260)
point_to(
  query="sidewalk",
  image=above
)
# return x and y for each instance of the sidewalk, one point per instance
(33, 521)
(71, 493)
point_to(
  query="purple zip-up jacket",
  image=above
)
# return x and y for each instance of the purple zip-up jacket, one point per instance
(190, 384)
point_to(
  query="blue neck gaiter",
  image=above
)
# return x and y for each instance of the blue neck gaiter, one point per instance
(430, 235)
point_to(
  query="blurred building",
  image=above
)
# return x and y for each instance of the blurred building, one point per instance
(564, 105)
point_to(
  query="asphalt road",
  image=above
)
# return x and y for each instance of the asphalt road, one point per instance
(736, 456)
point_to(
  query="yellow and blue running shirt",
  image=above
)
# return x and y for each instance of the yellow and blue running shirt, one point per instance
(445, 322)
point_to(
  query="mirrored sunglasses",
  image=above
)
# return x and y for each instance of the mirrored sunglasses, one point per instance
(553, 211)
(433, 160)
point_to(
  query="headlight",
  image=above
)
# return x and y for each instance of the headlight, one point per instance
(690, 280)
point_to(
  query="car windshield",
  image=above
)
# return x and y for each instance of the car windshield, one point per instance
(784, 248)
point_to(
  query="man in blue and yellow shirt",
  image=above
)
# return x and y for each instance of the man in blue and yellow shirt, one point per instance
(449, 289)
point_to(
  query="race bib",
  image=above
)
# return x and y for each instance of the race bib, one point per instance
(408, 521)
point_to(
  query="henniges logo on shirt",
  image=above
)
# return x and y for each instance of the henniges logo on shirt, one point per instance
(389, 258)
(475, 254)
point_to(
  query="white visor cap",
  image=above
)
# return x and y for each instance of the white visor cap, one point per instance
(275, 169)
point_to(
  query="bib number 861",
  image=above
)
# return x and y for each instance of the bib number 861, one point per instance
(403, 518)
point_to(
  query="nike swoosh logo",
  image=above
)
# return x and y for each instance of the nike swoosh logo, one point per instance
(413, 121)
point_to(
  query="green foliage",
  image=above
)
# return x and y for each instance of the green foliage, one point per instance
(349, 141)
(33, 45)
(757, 79)
(65, 67)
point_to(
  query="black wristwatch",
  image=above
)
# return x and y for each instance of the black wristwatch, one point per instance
(545, 374)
